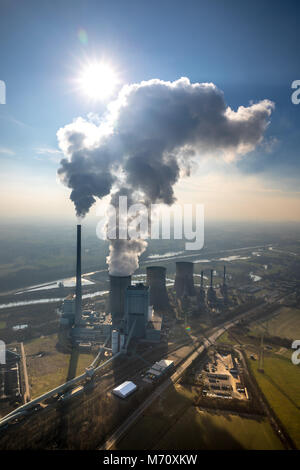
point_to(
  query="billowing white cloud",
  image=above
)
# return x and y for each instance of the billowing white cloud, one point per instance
(149, 136)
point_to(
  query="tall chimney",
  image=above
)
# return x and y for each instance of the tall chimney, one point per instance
(224, 277)
(78, 279)
(184, 280)
(156, 280)
(211, 278)
(201, 280)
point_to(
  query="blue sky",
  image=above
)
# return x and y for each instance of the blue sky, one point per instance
(249, 49)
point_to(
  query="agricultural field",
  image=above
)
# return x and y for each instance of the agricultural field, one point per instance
(173, 422)
(281, 386)
(47, 366)
(285, 324)
(280, 381)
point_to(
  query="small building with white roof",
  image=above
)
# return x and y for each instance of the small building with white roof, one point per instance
(125, 389)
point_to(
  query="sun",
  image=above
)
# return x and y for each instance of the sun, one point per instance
(98, 80)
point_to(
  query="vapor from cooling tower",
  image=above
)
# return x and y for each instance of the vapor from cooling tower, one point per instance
(146, 140)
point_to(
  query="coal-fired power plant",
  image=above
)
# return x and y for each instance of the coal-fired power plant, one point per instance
(156, 280)
(184, 280)
(78, 299)
(118, 285)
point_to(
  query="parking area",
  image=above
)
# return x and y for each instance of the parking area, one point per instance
(222, 377)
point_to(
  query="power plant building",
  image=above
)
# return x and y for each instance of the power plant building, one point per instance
(137, 310)
(68, 311)
(118, 286)
(156, 280)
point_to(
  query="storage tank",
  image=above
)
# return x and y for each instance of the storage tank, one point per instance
(156, 280)
(184, 280)
(114, 342)
(122, 341)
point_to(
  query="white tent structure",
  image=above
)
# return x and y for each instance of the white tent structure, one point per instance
(125, 389)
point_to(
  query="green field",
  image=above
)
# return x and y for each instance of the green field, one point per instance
(285, 324)
(172, 422)
(50, 370)
(2, 325)
(198, 429)
(281, 386)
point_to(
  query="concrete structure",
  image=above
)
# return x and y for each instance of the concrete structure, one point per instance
(114, 341)
(184, 280)
(118, 285)
(122, 341)
(125, 389)
(201, 296)
(68, 311)
(156, 280)
(153, 330)
(78, 299)
(137, 309)
(211, 294)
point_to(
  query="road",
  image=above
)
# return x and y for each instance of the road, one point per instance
(119, 433)
(26, 396)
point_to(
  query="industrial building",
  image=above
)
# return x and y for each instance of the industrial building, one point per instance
(136, 310)
(118, 285)
(156, 280)
(131, 314)
(211, 293)
(158, 370)
(10, 377)
(67, 312)
(125, 389)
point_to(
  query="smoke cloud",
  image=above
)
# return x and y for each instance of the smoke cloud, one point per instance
(146, 140)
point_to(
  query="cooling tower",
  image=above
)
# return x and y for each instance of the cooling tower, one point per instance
(184, 280)
(118, 284)
(156, 280)
(78, 292)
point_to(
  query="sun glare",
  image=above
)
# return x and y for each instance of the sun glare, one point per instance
(98, 81)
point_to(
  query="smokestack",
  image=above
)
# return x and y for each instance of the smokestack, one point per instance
(224, 277)
(211, 278)
(156, 280)
(118, 285)
(78, 278)
(201, 283)
(184, 280)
